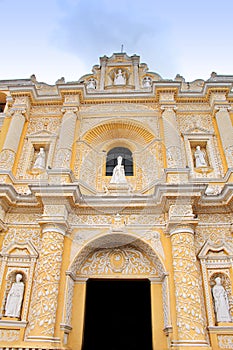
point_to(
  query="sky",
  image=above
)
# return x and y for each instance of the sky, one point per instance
(65, 38)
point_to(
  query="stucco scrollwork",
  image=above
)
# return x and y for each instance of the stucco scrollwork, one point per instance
(126, 261)
(45, 291)
(190, 319)
(225, 341)
(22, 235)
(9, 335)
(7, 158)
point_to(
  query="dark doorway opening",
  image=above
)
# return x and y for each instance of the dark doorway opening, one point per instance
(117, 315)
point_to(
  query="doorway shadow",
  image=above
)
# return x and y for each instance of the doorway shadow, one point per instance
(117, 315)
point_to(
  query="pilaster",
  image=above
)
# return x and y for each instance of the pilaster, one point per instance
(66, 137)
(103, 71)
(10, 147)
(225, 131)
(135, 60)
(171, 136)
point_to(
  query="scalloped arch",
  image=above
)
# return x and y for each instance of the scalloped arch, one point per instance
(119, 129)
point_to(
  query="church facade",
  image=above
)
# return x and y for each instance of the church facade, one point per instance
(116, 211)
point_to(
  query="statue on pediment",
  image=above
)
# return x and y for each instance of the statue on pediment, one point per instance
(119, 78)
(146, 83)
(91, 84)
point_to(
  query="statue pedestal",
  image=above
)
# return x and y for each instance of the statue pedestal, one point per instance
(119, 189)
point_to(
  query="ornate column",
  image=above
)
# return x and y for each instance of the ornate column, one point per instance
(188, 294)
(226, 132)
(135, 60)
(10, 147)
(3, 227)
(44, 302)
(171, 137)
(66, 137)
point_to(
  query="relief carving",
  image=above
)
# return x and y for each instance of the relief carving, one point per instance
(126, 261)
(9, 335)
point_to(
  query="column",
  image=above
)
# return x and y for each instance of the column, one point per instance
(3, 227)
(8, 153)
(226, 132)
(103, 71)
(188, 293)
(135, 60)
(172, 137)
(44, 302)
(66, 137)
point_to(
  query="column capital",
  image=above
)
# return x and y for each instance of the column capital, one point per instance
(69, 109)
(177, 229)
(222, 108)
(14, 111)
(58, 227)
(167, 107)
(55, 218)
(71, 101)
(135, 60)
(181, 219)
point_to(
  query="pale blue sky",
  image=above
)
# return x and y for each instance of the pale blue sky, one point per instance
(55, 38)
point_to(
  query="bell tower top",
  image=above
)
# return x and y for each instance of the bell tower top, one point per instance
(120, 73)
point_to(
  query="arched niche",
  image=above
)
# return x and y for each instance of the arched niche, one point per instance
(127, 161)
(116, 256)
(18, 257)
(216, 261)
(94, 145)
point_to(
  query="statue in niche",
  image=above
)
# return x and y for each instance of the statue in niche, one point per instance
(146, 82)
(118, 175)
(91, 84)
(15, 297)
(40, 160)
(199, 158)
(221, 302)
(119, 78)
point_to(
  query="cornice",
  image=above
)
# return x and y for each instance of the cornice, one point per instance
(131, 96)
(164, 195)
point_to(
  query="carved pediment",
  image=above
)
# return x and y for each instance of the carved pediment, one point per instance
(210, 249)
(41, 134)
(20, 249)
(197, 130)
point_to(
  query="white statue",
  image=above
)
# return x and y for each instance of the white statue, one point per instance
(199, 158)
(15, 298)
(221, 303)
(146, 82)
(119, 78)
(40, 160)
(91, 84)
(118, 175)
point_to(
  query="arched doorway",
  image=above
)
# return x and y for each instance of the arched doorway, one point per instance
(114, 283)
